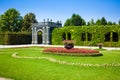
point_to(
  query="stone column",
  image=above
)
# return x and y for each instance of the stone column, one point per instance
(47, 35)
(34, 35)
(43, 36)
(36, 39)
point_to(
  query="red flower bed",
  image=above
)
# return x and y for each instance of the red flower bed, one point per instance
(73, 51)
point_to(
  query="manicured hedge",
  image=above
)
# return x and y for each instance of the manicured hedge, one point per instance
(2, 38)
(13, 38)
(81, 35)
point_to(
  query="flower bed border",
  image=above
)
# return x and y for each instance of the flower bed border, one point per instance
(72, 53)
(75, 54)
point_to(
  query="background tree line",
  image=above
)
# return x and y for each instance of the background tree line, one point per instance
(12, 21)
(77, 20)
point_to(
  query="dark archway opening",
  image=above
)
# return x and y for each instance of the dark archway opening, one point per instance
(107, 37)
(86, 37)
(89, 36)
(39, 37)
(115, 37)
(83, 37)
(64, 36)
(69, 36)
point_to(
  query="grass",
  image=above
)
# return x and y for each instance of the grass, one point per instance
(34, 69)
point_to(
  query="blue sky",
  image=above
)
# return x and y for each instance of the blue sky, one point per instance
(63, 9)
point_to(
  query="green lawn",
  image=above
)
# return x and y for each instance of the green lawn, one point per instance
(42, 69)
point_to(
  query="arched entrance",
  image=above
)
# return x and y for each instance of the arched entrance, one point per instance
(39, 35)
(46, 29)
(45, 35)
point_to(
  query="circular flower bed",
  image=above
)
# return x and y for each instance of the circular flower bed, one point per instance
(73, 51)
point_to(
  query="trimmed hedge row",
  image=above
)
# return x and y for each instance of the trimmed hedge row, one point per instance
(2, 38)
(13, 38)
(81, 35)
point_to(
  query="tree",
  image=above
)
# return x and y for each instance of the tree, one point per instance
(75, 20)
(91, 22)
(114, 23)
(103, 21)
(67, 23)
(0, 23)
(83, 22)
(119, 22)
(28, 20)
(109, 23)
(88, 23)
(11, 21)
(98, 22)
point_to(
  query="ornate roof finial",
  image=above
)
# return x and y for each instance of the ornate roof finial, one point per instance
(47, 20)
(50, 20)
(43, 20)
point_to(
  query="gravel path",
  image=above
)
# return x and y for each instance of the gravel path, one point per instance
(41, 45)
(2, 78)
(15, 55)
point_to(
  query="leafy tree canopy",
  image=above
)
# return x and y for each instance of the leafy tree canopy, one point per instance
(91, 22)
(75, 20)
(109, 23)
(119, 22)
(103, 21)
(11, 21)
(67, 23)
(28, 20)
(98, 22)
(114, 23)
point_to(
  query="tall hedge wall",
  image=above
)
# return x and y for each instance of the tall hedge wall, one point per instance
(2, 38)
(13, 38)
(81, 35)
